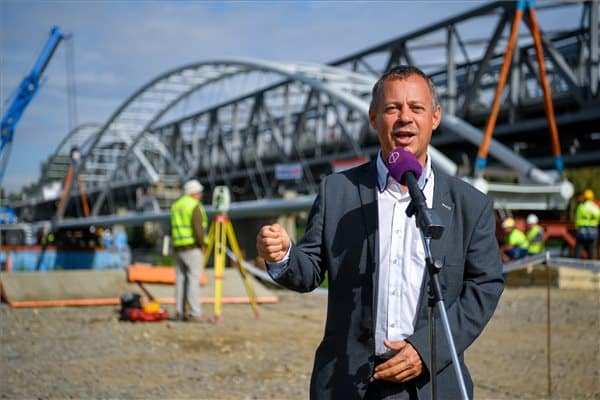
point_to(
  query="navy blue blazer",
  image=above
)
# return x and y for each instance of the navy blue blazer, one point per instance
(341, 239)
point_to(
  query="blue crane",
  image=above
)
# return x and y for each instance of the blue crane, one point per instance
(25, 93)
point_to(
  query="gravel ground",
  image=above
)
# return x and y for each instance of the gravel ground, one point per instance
(86, 353)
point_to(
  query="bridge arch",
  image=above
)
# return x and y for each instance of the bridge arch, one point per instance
(124, 150)
(131, 148)
(175, 148)
(80, 138)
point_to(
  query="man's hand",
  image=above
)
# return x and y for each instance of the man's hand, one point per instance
(405, 365)
(272, 243)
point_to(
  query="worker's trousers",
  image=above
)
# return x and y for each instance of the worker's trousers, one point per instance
(187, 281)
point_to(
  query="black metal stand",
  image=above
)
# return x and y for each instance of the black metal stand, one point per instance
(430, 227)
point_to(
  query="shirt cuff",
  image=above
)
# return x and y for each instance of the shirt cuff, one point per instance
(275, 269)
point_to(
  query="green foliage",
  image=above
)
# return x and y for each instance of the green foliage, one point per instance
(584, 178)
(325, 283)
(164, 261)
(300, 226)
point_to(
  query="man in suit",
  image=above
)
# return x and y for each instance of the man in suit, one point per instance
(375, 344)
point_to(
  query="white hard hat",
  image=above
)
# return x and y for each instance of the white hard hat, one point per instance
(532, 219)
(193, 186)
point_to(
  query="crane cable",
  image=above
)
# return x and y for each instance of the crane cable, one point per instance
(72, 120)
(72, 116)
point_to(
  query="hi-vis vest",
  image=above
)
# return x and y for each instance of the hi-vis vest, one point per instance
(535, 236)
(517, 238)
(587, 214)
(182, 231)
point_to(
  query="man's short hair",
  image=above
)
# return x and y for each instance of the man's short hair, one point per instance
(192, 186)
(403, 72)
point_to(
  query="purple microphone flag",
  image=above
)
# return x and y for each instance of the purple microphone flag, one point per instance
(401, 161)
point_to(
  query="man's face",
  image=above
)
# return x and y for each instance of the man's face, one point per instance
(403, 116)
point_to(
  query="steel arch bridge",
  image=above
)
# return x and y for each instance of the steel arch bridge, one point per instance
(240, 133)
(235, 121)
(79, 139)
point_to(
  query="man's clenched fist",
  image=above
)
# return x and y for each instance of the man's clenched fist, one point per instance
(272, 243)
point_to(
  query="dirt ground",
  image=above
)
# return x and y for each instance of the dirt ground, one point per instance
(86, 353)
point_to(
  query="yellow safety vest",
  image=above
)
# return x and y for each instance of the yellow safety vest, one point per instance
(517, 238)
(535, 237)
(587, 214)
(182, 231)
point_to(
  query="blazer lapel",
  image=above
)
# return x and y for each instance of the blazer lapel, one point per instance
(367, 193)
(444, 207)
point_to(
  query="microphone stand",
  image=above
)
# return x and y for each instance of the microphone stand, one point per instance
(431, 227)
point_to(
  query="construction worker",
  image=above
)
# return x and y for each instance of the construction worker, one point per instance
(189, 235)
(534, 235)
(587, 216)
(46, 235)
(515, 242)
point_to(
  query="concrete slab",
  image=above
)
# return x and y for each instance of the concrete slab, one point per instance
(71, 284)
(570, 278)
(93, 287)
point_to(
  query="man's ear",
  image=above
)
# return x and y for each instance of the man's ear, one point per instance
(372, 117)
(437, 116)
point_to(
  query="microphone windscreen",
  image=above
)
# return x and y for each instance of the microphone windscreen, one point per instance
(401, 161)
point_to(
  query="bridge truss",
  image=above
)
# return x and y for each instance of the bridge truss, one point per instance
(235, 121)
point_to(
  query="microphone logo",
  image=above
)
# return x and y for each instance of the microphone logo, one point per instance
(401, 161)
(393, 157)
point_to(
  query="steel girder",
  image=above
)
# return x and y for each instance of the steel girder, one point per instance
(463, 55)
(300, 105)
(79, 138)
(125, 151)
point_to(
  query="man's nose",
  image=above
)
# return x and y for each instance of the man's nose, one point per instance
(404, 115)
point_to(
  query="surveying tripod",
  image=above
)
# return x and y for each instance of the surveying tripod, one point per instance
(221, 231)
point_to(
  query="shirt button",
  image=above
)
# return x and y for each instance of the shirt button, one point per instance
(397, 231)
(394, 261)
(392, 325)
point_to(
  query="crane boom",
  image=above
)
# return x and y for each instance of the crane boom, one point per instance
(25, 93)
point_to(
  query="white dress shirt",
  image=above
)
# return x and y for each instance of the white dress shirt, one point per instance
(401, 258)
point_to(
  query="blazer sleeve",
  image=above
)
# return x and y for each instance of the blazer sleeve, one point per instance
(305, 270)
(479, 293)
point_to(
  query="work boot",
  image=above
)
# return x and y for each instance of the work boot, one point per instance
(177, 318)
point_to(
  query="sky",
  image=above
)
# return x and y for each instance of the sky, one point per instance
(119, 46)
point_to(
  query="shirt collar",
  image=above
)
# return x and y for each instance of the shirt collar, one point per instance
(383, 175)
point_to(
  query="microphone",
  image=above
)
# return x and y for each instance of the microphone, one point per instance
(404, 168)
(401, 162)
